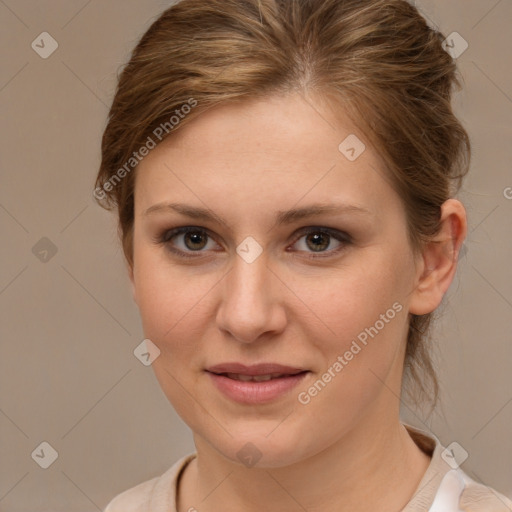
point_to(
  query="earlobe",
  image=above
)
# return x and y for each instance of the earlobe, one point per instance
(439, 259)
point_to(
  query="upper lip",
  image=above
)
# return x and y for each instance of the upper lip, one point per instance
(255, 369)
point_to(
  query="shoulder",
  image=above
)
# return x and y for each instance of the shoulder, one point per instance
(458, 492)
(157, 494)
(446, 487)
(135, 499)
(477, 497)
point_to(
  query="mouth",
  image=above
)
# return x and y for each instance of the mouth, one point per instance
(255, 370)
(256, 384)
(257, 378)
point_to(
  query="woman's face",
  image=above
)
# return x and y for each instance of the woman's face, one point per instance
(257, 287)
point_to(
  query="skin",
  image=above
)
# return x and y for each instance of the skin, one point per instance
(246, 162)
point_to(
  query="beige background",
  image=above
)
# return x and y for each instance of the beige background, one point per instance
(68, 375)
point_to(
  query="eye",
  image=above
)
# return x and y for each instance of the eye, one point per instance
(194, 239)
(318, 239)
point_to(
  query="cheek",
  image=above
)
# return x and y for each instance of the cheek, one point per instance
(172, 308)
(176, 310)
(363, 321)
(358, 327)
(166, 295)
(332, 305)
(343, 302)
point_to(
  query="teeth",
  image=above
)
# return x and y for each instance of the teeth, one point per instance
(240, 377)
(254, 378)
(261, 378)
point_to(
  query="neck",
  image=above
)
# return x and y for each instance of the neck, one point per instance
(374, 466)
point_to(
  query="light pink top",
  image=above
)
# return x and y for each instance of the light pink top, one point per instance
(443, 488)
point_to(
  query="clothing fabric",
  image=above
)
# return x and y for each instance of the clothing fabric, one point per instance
(443, 488)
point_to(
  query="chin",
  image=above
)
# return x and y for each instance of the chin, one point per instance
(262, 450)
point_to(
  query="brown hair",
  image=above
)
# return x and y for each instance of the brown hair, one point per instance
(377, 59)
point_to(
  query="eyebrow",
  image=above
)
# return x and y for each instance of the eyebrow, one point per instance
(282, 217)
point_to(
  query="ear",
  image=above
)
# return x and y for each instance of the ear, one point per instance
(129, 267)
(438, 261)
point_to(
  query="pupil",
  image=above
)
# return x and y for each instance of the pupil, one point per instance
(195, 237)
(318, 238)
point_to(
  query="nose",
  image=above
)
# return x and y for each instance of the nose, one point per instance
(251, 304)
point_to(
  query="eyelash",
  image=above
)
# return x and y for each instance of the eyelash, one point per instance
(166, 237)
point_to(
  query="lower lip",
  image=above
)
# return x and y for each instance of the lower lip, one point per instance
(251, 392)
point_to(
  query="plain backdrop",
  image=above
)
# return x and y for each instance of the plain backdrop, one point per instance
(69, 326)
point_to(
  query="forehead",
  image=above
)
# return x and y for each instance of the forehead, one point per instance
(265, 154)
(290, 125)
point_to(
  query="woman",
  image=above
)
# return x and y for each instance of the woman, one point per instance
(284, 173)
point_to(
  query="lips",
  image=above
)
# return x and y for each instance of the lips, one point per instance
(255, 384)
